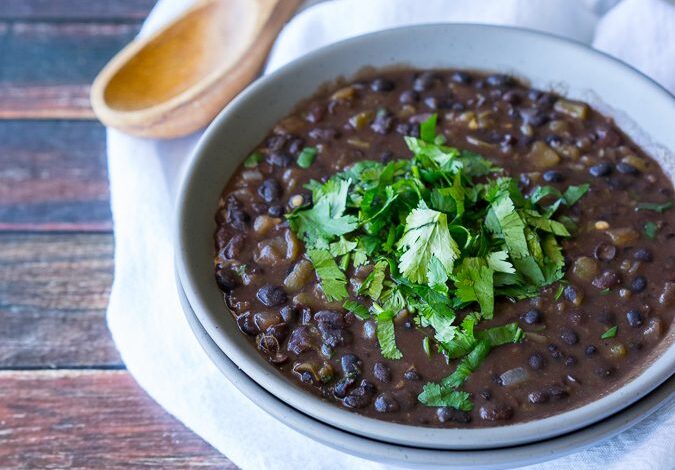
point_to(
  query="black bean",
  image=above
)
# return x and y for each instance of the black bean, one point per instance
(334, 336)
(226, 280)
(247, 325)
(368, 386)
(531, 316)
(546, 101)
(485, 394)
(289, 313)
(431, 102)
(634, 318)
(446, 414)
(303, 338)
(296, 145)
(508, 139)
(424, 81)
(537, 397)
(604, 251)
(342, 387)
(386, 403)
(382, 372)
(330, 318)
(234, 246)
(500, 80)
(382, 84)
(606, 280)
(638, 284)
(351, 364)
(553, 140)
(461, 77)
(627, 169)
(570, 361)
(536, 361)
(276, 210)
(235, 215)
(557, 392)
(643, 254)
(358, 398)
(601, 169)
(569, 336)
(606, 137)
(386, 156)
(269, 190)
(512, 97)
(383, 123)
(409, 97)
(326, 133)
(271, 296)
(280, 159)
(590, 350)
(411, 375)
(533, 117)
(554, 351)
(277, 142)
(552, 176)
(572, 294)
(495, 412)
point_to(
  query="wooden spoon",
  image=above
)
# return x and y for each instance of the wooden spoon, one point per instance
(176, 81)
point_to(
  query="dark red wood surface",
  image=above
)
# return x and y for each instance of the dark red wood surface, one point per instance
(66, 400)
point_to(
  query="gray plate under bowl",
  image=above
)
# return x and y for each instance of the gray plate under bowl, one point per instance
(508, 457)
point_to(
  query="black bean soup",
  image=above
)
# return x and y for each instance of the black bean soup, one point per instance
(583, 336)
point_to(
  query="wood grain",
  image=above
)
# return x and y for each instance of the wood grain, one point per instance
(91, 419)
(53, 176)
(53, 293)
(46, 68)
(76, 9)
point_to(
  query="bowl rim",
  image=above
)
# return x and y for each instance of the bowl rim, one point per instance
(353, 444)
(438, 438)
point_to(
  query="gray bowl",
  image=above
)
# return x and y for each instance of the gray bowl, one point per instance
(546, 61)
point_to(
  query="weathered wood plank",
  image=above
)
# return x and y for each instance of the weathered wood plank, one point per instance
(91, 419)
(53, 293)
(45, 102)
(46, 68)
(76, 9)
(54, 175)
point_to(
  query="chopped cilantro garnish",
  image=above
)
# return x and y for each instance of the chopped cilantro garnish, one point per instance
(654, 206)
(436, 243)
(606, 291)
(306, 157)
(357, 309)
(651, 229)
(610, 333)
(333, 281)
(253, 160)
(386, 336)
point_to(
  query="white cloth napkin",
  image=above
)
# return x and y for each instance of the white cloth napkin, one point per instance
(144, 314)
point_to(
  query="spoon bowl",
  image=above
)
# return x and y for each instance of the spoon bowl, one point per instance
(175, 81)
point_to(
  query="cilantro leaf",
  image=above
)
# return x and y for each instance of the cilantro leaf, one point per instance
(386, 337)
(373, 283)
(426, 235)
(610, 333)
(574, 193)
(306, 157)
(357, 309)
(654, 206)
(437, 395)
(651, 229)
(333, 281)
(474, 281)
(428, 128)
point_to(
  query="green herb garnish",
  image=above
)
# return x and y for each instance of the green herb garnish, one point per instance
(253, 160)
(606, 291)
(651, 229)
(444, 233)
(654, 206)
(610, 333)
(306, 157)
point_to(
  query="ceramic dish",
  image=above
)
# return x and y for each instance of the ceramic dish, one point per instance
(509, 457)
(546, 61)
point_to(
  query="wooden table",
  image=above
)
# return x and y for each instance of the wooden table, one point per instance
(66, 399)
